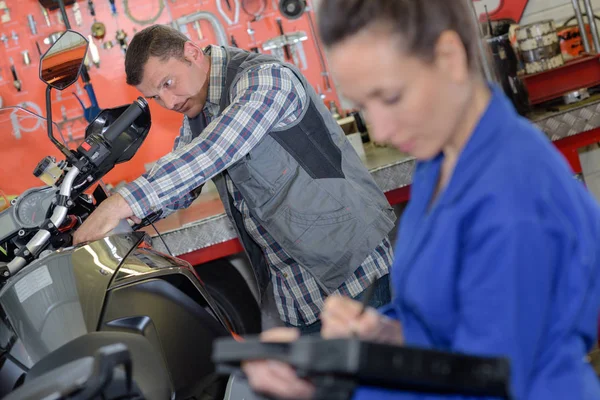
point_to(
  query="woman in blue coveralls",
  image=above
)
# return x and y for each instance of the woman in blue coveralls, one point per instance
(499, 248)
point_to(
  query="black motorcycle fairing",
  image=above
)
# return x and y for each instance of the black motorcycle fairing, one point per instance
(149, 372)
(174, 323)
(144, 261)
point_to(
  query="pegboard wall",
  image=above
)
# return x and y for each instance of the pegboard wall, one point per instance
(20, 153)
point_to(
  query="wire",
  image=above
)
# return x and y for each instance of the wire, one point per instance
(20, 108)
(161, 7)
(252, 11)
(161, 238)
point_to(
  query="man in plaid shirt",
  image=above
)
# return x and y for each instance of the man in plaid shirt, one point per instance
(258, 129)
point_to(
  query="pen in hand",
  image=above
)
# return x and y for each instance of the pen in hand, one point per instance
(366, 299)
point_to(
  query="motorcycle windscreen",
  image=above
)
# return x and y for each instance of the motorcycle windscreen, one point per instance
(60, 297)
(25, 143)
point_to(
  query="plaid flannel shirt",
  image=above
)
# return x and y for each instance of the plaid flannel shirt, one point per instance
(267, 96)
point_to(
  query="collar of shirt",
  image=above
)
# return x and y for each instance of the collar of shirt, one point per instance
(217, 77)
(481, 147)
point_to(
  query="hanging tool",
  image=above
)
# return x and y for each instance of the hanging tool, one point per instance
(286, 49)
(233, 42)
(292, 9)
(113, 7)
(220, 33)
(46, 15)
(77, 14)
(149, 21)
(122, 39)
(251, 32)
(228, 5)
(4, 39)
(313, 32)
(91, 9)
(107, 45)
(236, 17)
(6, 16)
(26, 58)
(52, 38)
(15, 37)
(94, 52)
(254, 8)
(98, 30)
(196, 26)
(37, 45)
(16, 80)
(32, 24)
(298, 54)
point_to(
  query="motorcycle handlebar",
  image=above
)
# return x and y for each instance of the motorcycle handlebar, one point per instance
(128, 117)
(37, 243)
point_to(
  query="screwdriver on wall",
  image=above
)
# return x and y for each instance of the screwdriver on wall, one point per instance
(113, 7)
(91, 9)
(46, 15)
(16, 81)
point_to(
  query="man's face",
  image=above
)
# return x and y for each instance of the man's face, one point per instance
(178, 85)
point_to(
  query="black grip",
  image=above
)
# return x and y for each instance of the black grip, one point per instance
(128, 117)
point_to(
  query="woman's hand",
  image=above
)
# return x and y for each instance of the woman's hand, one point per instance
(275, 378)
(341, 317)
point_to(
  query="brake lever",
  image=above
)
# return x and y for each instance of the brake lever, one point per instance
(150, 219)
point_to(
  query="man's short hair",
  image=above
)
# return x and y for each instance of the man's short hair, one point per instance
(160, 41)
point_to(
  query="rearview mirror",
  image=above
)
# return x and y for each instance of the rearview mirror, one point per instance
(61, 65)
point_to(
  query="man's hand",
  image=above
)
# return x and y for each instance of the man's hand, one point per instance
(341, 318)
(275, 378)
(103, 220)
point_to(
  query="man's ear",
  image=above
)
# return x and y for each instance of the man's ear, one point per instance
(192, 52)
(451, 57)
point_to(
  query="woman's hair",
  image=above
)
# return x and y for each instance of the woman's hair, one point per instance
(419, 23)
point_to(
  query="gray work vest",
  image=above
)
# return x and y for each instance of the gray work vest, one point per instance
(307, 187)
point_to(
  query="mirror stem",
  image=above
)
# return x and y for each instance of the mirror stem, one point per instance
(58, 144)
(63, 11)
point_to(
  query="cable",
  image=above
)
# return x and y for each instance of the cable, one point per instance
(21, 108)
(161, 238)
(250, 8)
(161, 7)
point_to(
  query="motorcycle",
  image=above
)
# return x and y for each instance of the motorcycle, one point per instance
(61, 303)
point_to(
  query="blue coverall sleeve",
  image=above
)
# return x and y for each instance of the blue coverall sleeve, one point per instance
(504, 295)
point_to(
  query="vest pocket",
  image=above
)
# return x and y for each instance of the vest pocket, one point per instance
(318, 240)
(259, 177)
